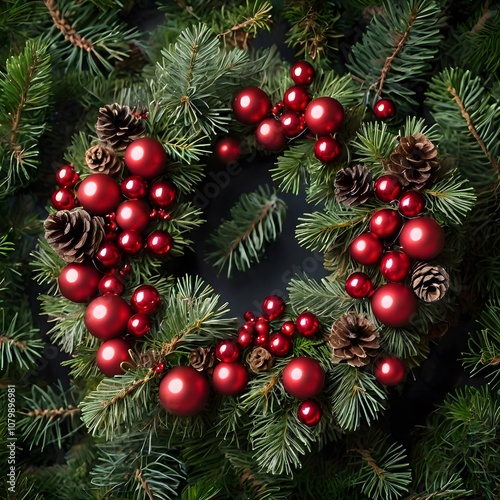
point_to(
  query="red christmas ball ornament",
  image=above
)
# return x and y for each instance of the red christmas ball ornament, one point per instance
(111, 283)
(307, 324)
(384, 109)
(245, 338)
(159, 243)
(139, 324)
(251, 105)
(394, 304)
(79, 282)
(227, 150)
(133, 214)
(106, 317)
(366, 249)
(184, 391)
(134, 187)
(327, 149)
(66, 176)
(389, 370)
(145, 299)
(288, 328)
(280, 344)
(303, 377)
(145, 157)
(230, 379)
(108, 254)
(99, 194)
(387, 188)
(296, 98)
(324, 116)
(162, 194)
(159, 368)
(302, 73)
(273, 307)
(262, 339)
(386, 223)
(411, 204)
(248, 326)
(309, 412)
(130, 241)
(227, 351)
(422, 238)
(395, 265)
(249, 316)
(292, 123)
(63, 199)
(270, 134)
(262, 326)
(111, 356)
(359, 285)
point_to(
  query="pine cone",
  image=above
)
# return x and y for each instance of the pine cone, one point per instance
(102, 160)
(117, 126)
(429, 282)
(74, 234)
(353, 338)
(413, 161)
(202, 358)
(353, 185)
(259, 360)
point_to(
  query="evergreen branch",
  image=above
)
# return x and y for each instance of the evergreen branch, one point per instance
(46, 265)
(374, 143)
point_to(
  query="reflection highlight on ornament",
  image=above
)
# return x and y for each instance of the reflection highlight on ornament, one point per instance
(108, 353)
(416, 234)
(99, 311)
(223, 373)
(361, 245)
(245, 101)
(90, 188)
(385, 368)
(296, 374)
(386, 301)
(137, 153)
(317, 112)
(175, 386)
(71, 276)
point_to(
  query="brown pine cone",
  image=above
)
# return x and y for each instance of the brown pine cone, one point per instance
(353, 338)
(259, 360)
(202, 358)
(413, 161)
(429, 282)
(353, 185)
(117, 126)
(74, 234)
(103, 160)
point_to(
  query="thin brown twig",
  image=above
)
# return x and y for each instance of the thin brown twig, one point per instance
(481, 22)
(128, 390)
(144, 484)
(370, 460)
(11, 342)
(53, 414)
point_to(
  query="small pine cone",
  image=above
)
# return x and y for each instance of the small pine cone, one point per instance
(353, 185)
(117, 126)
(74, 234)
(259, 360)
(353, 338)
(102, 160)
(202, 358)
(414, 161)
(429, 282)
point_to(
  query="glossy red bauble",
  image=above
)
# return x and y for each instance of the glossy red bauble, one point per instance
(227, 150)
(411, 204)
(384, 109)
(303, 377)
(106, 317)
(307, 324)
(99, 194)
(66, 176)
(324, 116)
(108, 254)
(280, 344)
(130, 241)
(292, 123)
(230, 379)
(387, 188)
(302, 73)
(394, 304)
(359, 285)
(262, 340)
(145, 299)
(273, 307)
(134, 187)
(159, 243)
(386, 223)
(366, 249)
(389, 370)
(251, 105)
(145, 157)
(327, 149)
(422, 238)
(249, 316)
(111, 283)
(184, 391)
(63, 199)
(162, 194)
(395, 265)
(288, 328)
(270, 134)
(245, 338)
(133, 214)
(227, 351)
(139, 324)
(262, 326)
(296, 98)
(113, 356)
(309, 412)
(79, 282)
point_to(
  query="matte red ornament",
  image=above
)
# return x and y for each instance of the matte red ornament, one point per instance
(262, 339)
(66, 176)
(359, 285)
(327, 149)
(411, 204)
(288, 328)
(108, 254)
(296, 98)
(162, 194)
(273, 307)
(366, 249)
(292, 123)
(111, 283)
(227, 150)
(230, 379)
(280, 344)
(384, 109)
(386, 223)
(63, 199)
(395, 265)
(324, 116)
(227, 351)
(307, 324)
(387, 188)
(394, 304)
(184, 391)
(111, 355)
(99, 194)
(130, 241)
(145, 157)
(270, 134)
(79, 282)
(133, 214)
(134, 187)
(309, 412)
(303, 377)
(145, 299)
(159, 243)
(106, 317)
(249, 316)
(302, 73)
(422, 238)
(251, 105)
(245, 338)
(389, 370)
(139, 324)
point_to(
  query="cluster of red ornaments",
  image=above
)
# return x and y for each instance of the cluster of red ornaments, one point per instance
(396, 237)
